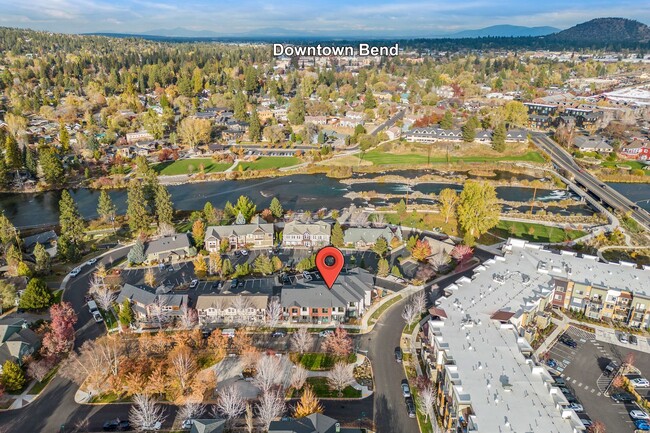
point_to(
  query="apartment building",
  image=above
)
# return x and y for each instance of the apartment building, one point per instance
(257, 234)
(306, 235)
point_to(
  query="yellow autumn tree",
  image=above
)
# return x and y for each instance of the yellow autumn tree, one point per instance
(307, 404)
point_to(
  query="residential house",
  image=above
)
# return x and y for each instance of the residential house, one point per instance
(541, 109)
(393, 133)
(257, 234)
(314, 423)
(264, 115)
(152, 307)
(16, 341)
(636, 149)
(349, 122)
(280, 114)
(306, 235)
(640, 312)
(134, 137)
(592, 144)
(366, 237)
(316, 120)
(169, 248)
(311, 301)
(540, 121)
(517, 135)
(208, 426)
(48, 239)
(434, 135)
(230, 308)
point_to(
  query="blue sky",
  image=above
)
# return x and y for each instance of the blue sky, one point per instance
(345, 17)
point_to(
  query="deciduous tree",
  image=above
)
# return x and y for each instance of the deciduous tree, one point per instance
(301, 340)
(308, 404)
(448, 201)
(338, 343)
(341, 375)
(145, 412)
(421, 250)
(478, 208)
(59, 339)
(269, 407)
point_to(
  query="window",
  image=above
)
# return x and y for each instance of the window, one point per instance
(324, 310)
(558, 297)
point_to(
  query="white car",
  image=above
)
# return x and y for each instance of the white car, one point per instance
(639, 414)
(155, 426)
(325, 333)
(623, 338)
(244, 252)
(75, 272)
(91, 261)
(576, 407)
(640, 382)
(194, 283)
(187, 424)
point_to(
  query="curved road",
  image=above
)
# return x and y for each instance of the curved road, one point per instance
(56, 411)
(612, 198)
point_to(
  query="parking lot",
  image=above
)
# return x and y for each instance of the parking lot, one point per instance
(582, 368)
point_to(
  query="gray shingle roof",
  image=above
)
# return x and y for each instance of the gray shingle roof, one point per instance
(177, 242)
(315, 228)
(370, 235)
(136, 294)
(350, 287)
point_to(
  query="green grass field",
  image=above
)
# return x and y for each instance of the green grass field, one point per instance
(634, 165)
(182, 166)
(318, 361)
(534, 232)
(378, 157)
(322, 389)
(269, 162)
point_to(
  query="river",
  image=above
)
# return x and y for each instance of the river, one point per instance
(297, 192)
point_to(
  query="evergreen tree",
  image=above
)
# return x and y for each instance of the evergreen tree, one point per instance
(42, 259)
(3, 173)
(36, 295)
(12, 378)
(263, 265)
(499, 138)
(447, 121)
(72, 225)
(337, 235)
(246, 207)
(226, 268)
(381, 246)
(31, 162)
(51, 166)
(164, 205)
(395, 271)
(254, 127)
(209, 214)
(276, 208)
(13, 156)
(369, 100)
(296, 111)
(383, 268)
(105, 207)
(136, 254)
(64, 138)
(469, 132)
(125, 314)
(240, 107)
(137, 208)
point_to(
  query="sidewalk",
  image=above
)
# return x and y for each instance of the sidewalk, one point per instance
(24, 398)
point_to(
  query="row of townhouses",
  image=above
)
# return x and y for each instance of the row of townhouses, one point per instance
(434, 135)
(477, 348)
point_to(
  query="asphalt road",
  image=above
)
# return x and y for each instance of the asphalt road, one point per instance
(594, 186)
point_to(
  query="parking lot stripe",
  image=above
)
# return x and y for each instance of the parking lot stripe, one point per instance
(599, 394)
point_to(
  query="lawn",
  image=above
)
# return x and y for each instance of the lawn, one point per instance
(182, 166)
(109, 397)
(322, 389)
(56, 296)
(379, 311)
(318, 361)
(634, 165)
(109, 319)
(379, 157)
(269, 162)
(534, 232)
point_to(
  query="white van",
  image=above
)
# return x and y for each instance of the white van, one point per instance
(230, 332)
(92, 306)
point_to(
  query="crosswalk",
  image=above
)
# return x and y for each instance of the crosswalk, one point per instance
(603, 382)
(580, 334)
(575, 384)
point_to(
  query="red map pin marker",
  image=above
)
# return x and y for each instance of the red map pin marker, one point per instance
(329, 261)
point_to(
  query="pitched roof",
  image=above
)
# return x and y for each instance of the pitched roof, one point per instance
(220, 232)
(176, 242)
(41, 238)
(370, 235)
(203, 302)
(349, 287)
(314, 423)
(208, 426)
(136, 294)
(315, 228)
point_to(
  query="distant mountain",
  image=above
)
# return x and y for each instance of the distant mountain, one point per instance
(605, 30)
(504, 30)
(182, 32)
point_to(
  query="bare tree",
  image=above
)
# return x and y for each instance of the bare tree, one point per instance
(183, 366)
(95, 361)
(188, 318)
(165, 229)
(299, 377)
(231, 403)
(191, 410)
(104, 297)
(250, 422)
(437, 261)
(269, 407)
(301, 340)
(269, 372)
(274, 311)
(427, 399)
(419, 302)
(339, 343)
(145, 413)
(38, 369)
(340, 376)
(409, 314)
(158, 310)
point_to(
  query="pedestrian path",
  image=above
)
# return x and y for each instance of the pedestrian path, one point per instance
(23, 399)
(575, 384)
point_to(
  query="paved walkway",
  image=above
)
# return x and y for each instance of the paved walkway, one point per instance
(232, 167)
(23, 399)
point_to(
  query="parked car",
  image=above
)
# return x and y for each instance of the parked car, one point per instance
(325, 333)
(216, 285)
(92, 261)
(623, 338)
(237, 253)
(610, 368)
(75, 272)
(568, 341)
(187, 424)
(639, 414)
(406, 389)
(116, 425)
(234, 282)
(640, 382)
(278, 333)
(559, 381)
(98, 317)
(623, 397)
(194, 283)
(577, 407)
(244, 253)
(152, 427)
(633, 339)
(586, 422)
(410, 408)
(398, 354)
(551, 363)
(642, 425)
